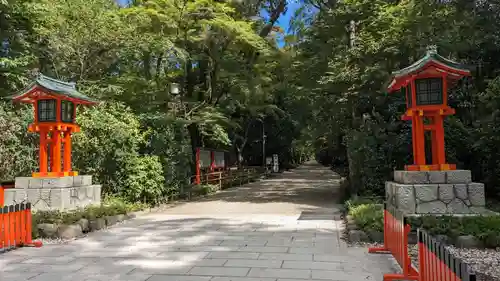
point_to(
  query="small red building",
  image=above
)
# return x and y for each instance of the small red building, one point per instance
(425, 85)
(54, 103)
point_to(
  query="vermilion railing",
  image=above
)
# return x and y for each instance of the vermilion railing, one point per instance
(2, 196)
(15, 227)
(436, 263)
(396, 232)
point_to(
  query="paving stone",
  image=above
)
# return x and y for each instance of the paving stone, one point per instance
(263, 249)
(254, 263)
(208, 240)
(183, 255)
(179, 278)
(18, 276)
(280, 273)
(232, 255)
(241, 279)
(52, 276)
(181, 270)
(330, 257)
(286, 257)
(312, 265)
(240, 243)
(49, 260)
(219, 271)
(340, 276)
(295, 250)
(280, 279)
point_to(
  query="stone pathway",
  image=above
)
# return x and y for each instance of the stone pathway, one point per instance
(280, 229)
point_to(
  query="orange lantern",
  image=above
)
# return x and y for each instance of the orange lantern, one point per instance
(425, 85)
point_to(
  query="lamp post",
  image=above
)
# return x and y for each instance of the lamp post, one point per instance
(263, 145)
(174, 91)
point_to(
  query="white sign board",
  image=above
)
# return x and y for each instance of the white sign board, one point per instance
(276, 167)
(205, 160)
(269, 160)
(219, 159)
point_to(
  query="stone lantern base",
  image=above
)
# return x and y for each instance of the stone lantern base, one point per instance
(435, 192)
(63, 193)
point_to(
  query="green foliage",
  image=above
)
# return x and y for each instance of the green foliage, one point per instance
(486, 228)
(368, 216)
(18, 150)
(110, 136)
(110, 206)
(141, 179)
(204, 189)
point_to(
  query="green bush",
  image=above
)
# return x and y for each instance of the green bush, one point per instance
(367, 216)
(110, 206)
(486, 228)
(169, 140)
(110, 133)
(18, 147)
(142, 179)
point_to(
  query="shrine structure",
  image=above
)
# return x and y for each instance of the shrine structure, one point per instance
(436, 187)
(55, 185)
(425, 85)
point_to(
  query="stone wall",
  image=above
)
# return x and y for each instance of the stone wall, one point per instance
(63, 193)
(436, 192)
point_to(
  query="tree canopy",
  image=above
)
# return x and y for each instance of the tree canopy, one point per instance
(323, 91)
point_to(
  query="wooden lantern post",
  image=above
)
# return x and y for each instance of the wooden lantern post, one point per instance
(425, 85)
(54, 105)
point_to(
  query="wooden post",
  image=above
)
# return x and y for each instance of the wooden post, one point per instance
(2, 201)
(440, 149)
(56, 151)
(198, 169)
(220, 180)
(212, 161)
(67, 151)
(43, 152)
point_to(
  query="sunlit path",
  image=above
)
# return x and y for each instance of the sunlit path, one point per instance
(283, 228)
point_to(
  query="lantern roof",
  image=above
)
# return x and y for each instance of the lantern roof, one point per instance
(453, 70)
(44, 86)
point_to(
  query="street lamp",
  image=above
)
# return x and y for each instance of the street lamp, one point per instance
(174, 89)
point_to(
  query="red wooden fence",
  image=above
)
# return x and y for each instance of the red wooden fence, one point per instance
(2, 196)
(15, 227)
(436, 263)
(396, 232)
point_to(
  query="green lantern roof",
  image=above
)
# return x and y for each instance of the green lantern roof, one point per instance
(430, 55)
(452, 69)
(52, 86)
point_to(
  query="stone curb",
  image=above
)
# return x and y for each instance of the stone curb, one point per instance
(83, 226)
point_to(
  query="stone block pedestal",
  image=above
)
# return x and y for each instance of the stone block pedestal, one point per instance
(435, 192)
(64, 193)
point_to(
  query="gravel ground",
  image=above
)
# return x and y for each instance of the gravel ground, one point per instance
(485, 262)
